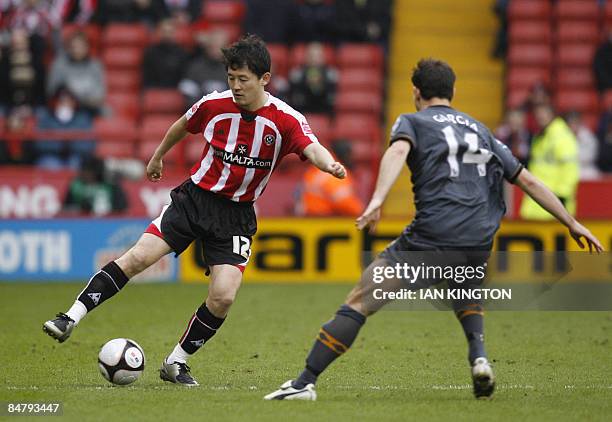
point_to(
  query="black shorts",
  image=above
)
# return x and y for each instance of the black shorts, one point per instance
(225, 227)
(407, 250)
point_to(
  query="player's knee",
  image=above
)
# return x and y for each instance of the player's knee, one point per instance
(220, 303)
(137, 260)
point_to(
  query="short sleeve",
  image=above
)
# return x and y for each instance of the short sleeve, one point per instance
(512, 166)
(195, 115)
(299, 135)
(403, 129)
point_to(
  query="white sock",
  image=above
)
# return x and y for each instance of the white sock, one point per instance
(77, 312)
(178, 355)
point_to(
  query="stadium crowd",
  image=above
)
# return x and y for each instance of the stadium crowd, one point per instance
(107, 77)
(80, 78)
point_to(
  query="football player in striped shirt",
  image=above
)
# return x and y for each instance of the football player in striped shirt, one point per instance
(245, 133)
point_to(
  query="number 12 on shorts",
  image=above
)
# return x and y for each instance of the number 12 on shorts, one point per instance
(242, 246)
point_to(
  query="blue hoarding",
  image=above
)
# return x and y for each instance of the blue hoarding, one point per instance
(71, 250)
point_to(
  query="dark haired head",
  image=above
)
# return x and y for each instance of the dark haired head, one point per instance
(434, 78)
(250, 51)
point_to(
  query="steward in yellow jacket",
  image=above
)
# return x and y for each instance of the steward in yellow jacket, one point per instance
(554, 160)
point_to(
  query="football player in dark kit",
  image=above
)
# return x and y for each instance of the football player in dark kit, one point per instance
(457, 169)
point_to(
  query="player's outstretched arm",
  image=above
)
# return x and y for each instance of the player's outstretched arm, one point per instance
(321, 158)
(173, 136)
(390, 167)
(533, 187)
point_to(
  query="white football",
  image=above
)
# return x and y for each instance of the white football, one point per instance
(121, 361)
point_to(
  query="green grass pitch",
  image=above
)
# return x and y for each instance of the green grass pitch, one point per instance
(404, 365)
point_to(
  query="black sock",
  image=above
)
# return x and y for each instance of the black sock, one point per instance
(102, 286)
(472, 321)
(335, 338)
(202, 326)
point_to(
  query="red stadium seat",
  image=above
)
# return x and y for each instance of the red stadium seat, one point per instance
(360, 55)
(579, 100)
(227, 11)
(607, 100)
(575, 78)
(115, 149)
(147, 148)
(608, 15)
(125, 35)
(321, 126)
(577, 32)
(577, 10)
(233, 31)
(115, 130)
(297, 55)
(537, 55)
(365, 153)
(359, 101)
(517, 97)
(359, 127)
(529, 32)
(123, 81)
(575, 55)
(93, 32)
(124, 104)
(154, 127)
(525, 77)
(368, 79)
(529, 9)
(280, 59)
(122, 58)
(152, 131)
(591, 120)
(163, 101)
(183, 35)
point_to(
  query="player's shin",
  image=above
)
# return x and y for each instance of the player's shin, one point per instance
(471, 317)
(102, 286)
(202, 326)
(335, 338)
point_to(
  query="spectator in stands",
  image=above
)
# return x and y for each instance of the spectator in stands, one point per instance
(184, 11)
(587, 146)
(539, 95)
(78, 72)
(602, 65)
(363, 20)
(514, 134)
(63, 114)
(163, 62)
(315, 21)
(92, 193)
(272, 20)
(554, 160)
(37, 19)
(313, 86)
(22, 73)
(16, 136)
(148, 12)
(278, 86)
(501, 40)
(604, 134)
(78, 11)
(205, 71)
(324, 195)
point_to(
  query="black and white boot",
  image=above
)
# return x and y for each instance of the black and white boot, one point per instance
(59, 328)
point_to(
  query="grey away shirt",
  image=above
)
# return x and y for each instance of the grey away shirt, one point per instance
(457, 170)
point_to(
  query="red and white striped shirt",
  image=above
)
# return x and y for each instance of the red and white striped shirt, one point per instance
(242, 148)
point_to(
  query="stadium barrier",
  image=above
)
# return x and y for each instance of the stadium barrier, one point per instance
(285, 250)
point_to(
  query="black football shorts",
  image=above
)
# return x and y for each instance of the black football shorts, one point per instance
(225, 227)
